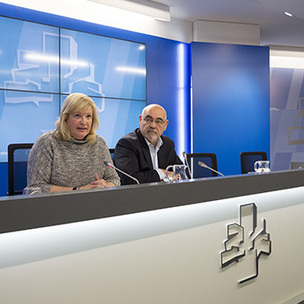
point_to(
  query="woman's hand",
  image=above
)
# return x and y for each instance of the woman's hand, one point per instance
(97, 183)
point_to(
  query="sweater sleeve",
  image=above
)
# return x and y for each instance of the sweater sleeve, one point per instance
(40, 164)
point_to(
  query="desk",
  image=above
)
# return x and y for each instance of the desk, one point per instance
(157, 243)
(27, 212)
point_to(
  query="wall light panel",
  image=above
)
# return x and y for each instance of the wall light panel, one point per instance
(286, 59)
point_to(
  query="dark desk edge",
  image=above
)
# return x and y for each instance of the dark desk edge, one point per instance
(28, 212)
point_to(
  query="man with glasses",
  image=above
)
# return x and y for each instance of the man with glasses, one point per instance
(145, 153)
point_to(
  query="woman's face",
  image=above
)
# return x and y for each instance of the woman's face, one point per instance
(80, 123)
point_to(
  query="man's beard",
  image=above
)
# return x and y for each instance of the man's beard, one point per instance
(152, 136)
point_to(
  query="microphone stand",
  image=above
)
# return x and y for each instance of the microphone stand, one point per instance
(126, 174)
(205, 166)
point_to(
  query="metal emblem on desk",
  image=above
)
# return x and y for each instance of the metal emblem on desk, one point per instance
(246, 242)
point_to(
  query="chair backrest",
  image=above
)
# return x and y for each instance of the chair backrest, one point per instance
(17, 167)
(112, 152)
(249, 158)
(208, 158)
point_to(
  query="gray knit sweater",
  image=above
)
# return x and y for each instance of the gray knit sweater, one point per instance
(73, 163)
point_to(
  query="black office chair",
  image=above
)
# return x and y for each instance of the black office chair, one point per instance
(207, 158)
(17, 167)
(249, 158)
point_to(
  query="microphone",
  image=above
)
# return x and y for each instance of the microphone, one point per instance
(126, 174)
(205, 166)
(187, 164)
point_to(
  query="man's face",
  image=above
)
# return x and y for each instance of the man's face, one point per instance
(152, 123)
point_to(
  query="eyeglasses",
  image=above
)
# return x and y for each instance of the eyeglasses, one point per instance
(149, 120)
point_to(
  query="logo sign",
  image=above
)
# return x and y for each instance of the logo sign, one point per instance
(246, 242)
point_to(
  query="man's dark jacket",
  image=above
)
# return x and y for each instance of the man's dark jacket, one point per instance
(132, 156)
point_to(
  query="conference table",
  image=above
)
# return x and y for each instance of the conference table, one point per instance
(232, 239)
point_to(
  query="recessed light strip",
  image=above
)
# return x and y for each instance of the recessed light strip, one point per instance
(149, 8)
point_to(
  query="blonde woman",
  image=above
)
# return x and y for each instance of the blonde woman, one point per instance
(72, 156)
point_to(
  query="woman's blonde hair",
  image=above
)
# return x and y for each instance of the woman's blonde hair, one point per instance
(76, 102)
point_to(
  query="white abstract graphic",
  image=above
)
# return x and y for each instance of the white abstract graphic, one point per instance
(33, 72)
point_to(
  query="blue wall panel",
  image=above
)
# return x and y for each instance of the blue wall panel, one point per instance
(230, 103)
(169, 86)
(7, 10)
(3, 179)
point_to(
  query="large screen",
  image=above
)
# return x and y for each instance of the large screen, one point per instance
(40, 65)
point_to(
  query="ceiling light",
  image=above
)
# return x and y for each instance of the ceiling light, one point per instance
(288, 14)
(149, 8)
